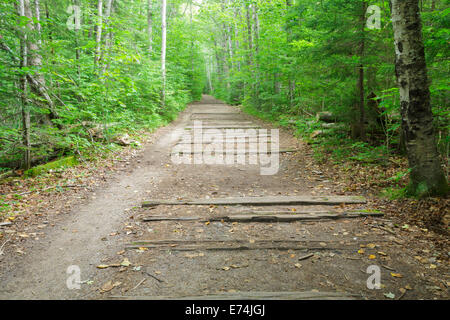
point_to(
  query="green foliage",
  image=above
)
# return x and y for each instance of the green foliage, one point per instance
(95, 103)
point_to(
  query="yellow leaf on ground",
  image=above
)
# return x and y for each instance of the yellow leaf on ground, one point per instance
(396, 275)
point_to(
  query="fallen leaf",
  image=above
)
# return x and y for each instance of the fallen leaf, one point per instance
(396, 275)
(389, 295)
(125, 262)
(372, 256)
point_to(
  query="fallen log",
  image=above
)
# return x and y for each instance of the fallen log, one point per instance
(326, 116)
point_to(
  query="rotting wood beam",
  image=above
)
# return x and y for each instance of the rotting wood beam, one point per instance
(268, 200)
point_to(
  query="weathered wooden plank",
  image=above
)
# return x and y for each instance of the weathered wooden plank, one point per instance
(224, 127)
(285, 217)
(350, 213)
(216, 113)
(254, 295)
(4, 224)
(268, 200)
(224, 122)
(248, 247)
(252, 140)
(251, 241)
(233, 117)
(239, 152)
(167, 218)
(270, 216)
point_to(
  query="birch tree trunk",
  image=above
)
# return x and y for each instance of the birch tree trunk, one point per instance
(98, 36)
(34, 59)
(427, 177)
(163, 50)
(37, 14)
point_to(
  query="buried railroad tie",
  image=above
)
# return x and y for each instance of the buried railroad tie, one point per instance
(263, 201)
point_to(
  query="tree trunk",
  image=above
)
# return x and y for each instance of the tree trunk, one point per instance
(150, 25)
(291, 81)
(37, 14)
(256, 59)
(163, 50)
(427, 177)
(362, 130)
(98, 37)
(23, 87)
(108, 36)
(77, 44)
(34, 59)
(249, 36)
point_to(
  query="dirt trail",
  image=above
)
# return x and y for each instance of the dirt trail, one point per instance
(97, 233)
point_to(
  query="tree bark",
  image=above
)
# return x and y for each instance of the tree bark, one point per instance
(427, 177)
(362, 130)
(77, 44)
(23, 87)
(163, 50)
(34, 59)
(256, 44)
(37, 13)
(291, 81)
(99, 27)
(150, 25)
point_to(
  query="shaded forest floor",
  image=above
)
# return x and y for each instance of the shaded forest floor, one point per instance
(89, 223)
